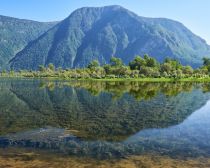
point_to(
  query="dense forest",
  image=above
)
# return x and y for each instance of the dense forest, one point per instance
(16, 34)
(140, 67)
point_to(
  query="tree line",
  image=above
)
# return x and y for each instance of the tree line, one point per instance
(139, 67)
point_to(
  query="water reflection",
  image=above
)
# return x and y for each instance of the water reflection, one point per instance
(190, 138)
(106, 119)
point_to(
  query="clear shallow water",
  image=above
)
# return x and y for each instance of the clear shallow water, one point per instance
(106, 120)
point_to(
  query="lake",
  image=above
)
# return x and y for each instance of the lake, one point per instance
(46, 123)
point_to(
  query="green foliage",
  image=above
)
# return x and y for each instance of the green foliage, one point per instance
(174, 63)
(137, 63)
(146, 67)
(206, 61)
(116, 62)
(93, 65)
(166, 68)
(51, 67)
(206, 64)
(42, 68)
(150, 62)
(187, 70)
(149, 72)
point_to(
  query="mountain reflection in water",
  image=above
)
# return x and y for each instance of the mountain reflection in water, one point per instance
(106, 119)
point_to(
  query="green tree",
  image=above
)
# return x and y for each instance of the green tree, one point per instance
(122, 71)
(206, 61)
(149, 72)
(4, 71)
(137, 63)
(150, 62)
(166, 67)
(117, 62)
(41, 68)
(51, 67)
(174, 63)
(108, 69)
(12, 73)
(94, 64)
(187, 70)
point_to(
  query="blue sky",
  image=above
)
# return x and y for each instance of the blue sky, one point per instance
(192, 13)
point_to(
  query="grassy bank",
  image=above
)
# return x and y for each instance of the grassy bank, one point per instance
(152, 79)
(190, 79)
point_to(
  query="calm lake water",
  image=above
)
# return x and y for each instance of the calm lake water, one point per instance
(103, 122)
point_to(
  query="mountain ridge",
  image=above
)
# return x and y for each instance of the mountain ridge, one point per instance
(16, 34)
(26, 20)
(99, 33)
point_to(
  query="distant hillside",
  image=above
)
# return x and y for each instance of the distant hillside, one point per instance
(99, 33)
(16, 34)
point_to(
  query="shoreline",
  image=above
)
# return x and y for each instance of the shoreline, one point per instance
(29, 158)
(113, 79)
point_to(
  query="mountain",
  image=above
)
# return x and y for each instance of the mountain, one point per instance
(16, 34)
(99, 33)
